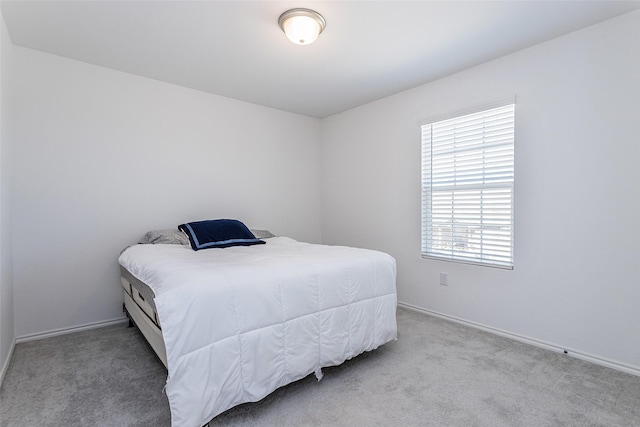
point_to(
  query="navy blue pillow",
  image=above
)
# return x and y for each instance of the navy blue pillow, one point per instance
(218, 233)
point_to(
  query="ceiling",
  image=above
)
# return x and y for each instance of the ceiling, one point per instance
(369, 49)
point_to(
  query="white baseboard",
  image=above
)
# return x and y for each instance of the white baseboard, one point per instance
(70, 330)
(5, 365)
(634, 370)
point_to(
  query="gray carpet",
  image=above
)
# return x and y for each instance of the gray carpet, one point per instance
(438, 373)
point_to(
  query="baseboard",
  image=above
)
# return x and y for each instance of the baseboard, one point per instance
(70, 330)
(5, 365)
(527, 340)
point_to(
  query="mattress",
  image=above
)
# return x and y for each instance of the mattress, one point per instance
(238, 323)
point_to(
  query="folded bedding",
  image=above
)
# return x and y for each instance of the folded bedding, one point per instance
(240, 322)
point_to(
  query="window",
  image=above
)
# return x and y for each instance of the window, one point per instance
(467, 188)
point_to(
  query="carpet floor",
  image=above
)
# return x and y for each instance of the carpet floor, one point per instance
(437, 373)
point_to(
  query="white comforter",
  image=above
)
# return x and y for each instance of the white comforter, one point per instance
(240, 322)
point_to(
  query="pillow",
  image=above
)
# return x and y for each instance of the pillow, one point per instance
(218, 233)
(167, 237)
(262, 234)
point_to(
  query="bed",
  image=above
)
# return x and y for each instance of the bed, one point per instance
(233, 324)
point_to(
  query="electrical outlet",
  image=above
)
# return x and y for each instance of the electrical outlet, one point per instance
(444, 279)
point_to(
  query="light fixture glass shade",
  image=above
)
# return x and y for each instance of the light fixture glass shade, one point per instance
(302, 26)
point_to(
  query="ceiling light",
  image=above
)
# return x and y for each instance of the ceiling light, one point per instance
(302, 26)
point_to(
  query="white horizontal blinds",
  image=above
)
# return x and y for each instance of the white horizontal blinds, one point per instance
(467, 187)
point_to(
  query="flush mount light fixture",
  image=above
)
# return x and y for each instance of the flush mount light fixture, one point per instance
(302, 26)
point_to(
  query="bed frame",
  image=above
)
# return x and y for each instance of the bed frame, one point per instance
(143, 315)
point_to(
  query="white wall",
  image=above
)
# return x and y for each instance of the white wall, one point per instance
(576, 281)
(7, 336)
(101, 156)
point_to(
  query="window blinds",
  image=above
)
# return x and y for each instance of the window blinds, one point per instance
(467, 188)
